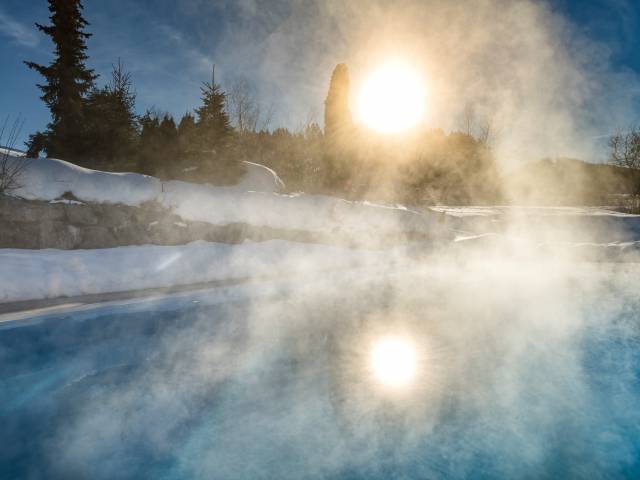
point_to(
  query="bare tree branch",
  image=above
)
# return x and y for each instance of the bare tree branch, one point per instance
(625, 152)
(245, 111)
(11, 165)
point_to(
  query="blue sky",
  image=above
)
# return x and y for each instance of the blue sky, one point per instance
(169, 47)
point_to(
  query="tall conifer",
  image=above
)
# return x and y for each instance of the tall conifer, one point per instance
(213, 125)
(67, 81)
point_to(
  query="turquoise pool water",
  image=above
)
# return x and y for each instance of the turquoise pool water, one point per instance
(270, 388)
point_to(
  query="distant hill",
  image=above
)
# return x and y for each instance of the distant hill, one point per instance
(567, 181)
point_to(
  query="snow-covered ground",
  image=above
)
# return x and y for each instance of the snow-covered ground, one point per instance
(46, 274)
(476, 232)
(11, 151)
(39, 274)
(487, 211)
(254, 200)
(528, 360)
(593, 226)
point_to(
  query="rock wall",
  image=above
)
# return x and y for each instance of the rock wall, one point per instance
(73, 225)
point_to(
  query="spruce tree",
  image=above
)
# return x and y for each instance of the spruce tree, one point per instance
(67, 81)
(149, 147)
(158, 151)
(187, 133)
(111, 122)
(169, 148)
(213, 125)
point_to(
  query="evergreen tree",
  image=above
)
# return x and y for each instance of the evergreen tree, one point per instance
(169, 140)
(67, 81)
(149, 147)
(111, 120)
(213, 126)
(159, 150)
(187, 131)
(339, 159)
(338, 123)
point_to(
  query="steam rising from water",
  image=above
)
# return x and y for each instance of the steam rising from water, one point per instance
(532, 371)
(533, 364)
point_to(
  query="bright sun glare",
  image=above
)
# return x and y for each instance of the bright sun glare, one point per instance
(393, 361)
(391, 99)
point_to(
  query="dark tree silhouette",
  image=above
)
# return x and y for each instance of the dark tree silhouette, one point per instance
(337, 116)
(111, 121)
(213, 125)
(187, 131)
(67, 81)
(339, 159)
(149, 146)
(169, 149)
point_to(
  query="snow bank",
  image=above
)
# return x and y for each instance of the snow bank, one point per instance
(487, 211)
(316, 213)
(11, 151)
(38, 274)
(49, 179)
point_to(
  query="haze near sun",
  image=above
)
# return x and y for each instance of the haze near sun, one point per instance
(392, 98)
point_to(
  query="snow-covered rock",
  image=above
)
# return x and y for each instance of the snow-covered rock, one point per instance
(252, 201)
(48, 179)
(12, 151)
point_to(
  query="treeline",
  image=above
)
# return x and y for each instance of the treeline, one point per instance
(417, 168)
(98, 127)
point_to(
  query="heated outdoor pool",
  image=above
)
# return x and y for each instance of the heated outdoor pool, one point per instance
(278, 386)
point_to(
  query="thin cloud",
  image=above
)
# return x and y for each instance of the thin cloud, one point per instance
(18, 32)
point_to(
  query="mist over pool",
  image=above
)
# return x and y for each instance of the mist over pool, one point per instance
(188, 387)
(319, 239)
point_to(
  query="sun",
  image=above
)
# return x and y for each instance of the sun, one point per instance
(392, 98)
(393, 361)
